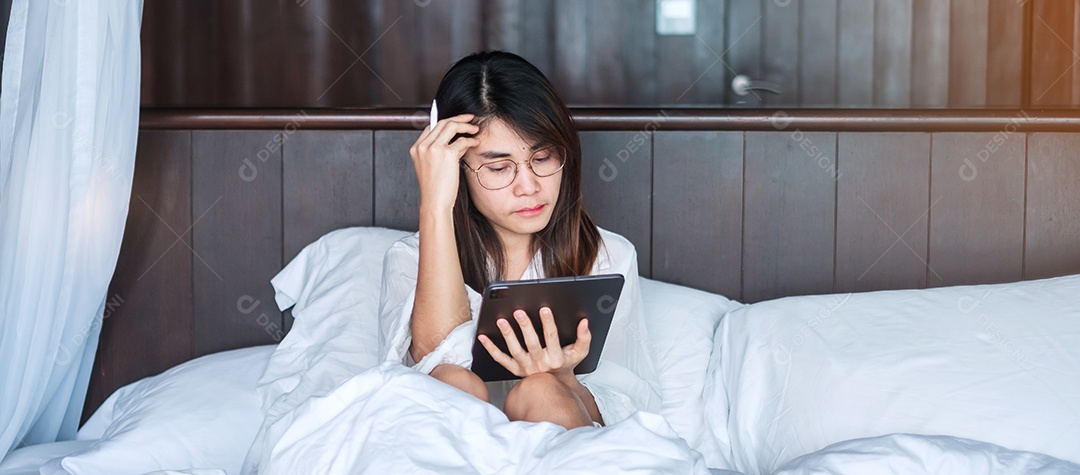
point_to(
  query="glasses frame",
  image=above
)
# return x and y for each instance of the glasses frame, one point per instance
(528, 164)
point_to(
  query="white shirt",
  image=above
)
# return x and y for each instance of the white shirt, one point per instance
(625, 379)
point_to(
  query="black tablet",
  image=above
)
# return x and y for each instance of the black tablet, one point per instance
(570, 300)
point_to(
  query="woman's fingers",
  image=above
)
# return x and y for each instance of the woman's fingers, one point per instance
(551, 332)
(508, 335)
(463, 118)
(580, 348)
(445, 131)
(502, 358)
(532, 342)
(462, 144)
(436, 160)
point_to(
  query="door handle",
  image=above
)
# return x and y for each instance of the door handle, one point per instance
(742, 85)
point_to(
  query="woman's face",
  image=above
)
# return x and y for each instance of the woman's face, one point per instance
(512, 211)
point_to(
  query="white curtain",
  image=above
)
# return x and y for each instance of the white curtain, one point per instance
(69, 111)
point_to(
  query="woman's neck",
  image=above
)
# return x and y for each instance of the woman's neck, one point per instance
(517, 254)
(516, 244)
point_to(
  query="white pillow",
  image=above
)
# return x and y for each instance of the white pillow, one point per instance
(995, 363)
(200, 414)
(681, 323)
(333, 288)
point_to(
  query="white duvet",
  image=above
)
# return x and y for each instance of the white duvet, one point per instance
(392, 419)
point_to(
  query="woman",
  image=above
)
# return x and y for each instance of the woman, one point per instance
(500, 199)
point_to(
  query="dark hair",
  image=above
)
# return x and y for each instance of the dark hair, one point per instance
(504, 86)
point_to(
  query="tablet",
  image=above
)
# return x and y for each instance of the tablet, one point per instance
(570, 300)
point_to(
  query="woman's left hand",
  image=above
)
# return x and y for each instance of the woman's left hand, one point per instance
(551, 358)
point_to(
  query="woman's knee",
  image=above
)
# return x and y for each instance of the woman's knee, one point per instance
(542, 397)
(462, 379)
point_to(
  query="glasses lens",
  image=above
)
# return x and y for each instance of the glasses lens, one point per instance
(497, 174)
(547, 162)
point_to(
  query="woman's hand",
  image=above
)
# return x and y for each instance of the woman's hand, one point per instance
(436, 160)
(552, 358)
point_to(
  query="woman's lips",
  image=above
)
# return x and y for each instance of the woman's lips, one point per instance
(531, 211)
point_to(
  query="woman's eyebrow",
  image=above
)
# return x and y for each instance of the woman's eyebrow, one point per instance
(493, 154)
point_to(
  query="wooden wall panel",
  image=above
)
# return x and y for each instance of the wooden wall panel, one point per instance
(397, 193)
(1052, 242)
(518, 25)
(930, 53)
(1053, 56)
(327, 184)
(1006, 49)
(697, 216)
(855, 53)
(150, 296)
(745, 34)
(619, 27)
(817, 56)
(342, 31)
(202, 56)
(882, 211)
(616, 184)
(892, 53)
(691, 69)
(236, 209)
(571, 66)
(677, 70)
(977, 224)
(967, 64)
(397, 64)
(789, 217)
(432, 61)
(780, 52)
(538, 34)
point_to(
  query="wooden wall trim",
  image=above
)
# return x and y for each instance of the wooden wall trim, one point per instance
(608, 119)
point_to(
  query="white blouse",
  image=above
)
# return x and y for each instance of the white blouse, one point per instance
(625, 379)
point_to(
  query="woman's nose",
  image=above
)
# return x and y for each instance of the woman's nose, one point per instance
(527, 182)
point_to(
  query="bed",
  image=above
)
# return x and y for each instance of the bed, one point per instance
(821, 370)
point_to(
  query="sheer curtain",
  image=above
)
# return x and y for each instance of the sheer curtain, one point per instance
(69, 111)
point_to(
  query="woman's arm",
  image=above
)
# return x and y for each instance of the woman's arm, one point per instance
(441, 301)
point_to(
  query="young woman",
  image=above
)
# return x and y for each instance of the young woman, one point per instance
(500, 199)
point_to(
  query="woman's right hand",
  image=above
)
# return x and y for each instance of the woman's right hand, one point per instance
(436, 160)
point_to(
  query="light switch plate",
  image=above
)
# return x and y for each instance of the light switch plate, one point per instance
(676, 17)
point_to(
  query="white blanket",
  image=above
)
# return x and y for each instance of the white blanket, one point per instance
(392, 419)
(907, 454)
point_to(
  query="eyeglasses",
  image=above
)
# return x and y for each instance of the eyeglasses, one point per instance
(500, 174)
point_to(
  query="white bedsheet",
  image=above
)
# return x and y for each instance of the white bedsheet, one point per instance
(907, 454)
(27, 460)
(392, 419)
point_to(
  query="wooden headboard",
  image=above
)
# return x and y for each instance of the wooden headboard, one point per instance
(749, 204)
